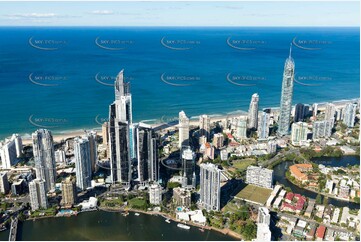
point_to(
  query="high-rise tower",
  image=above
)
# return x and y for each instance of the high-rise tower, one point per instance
(210, 188)
(147, 165)
(188, 166)
(83, 163)
(69, 194)
(350, 114)
(253, 112)
(120, 121)
(183, 129)
(44, 157)
(330, 111)
(286, 96)
(37, 194)
(92, 137)
(204, 126)
(263, 126)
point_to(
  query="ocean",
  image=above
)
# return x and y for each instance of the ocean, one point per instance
(61, 77)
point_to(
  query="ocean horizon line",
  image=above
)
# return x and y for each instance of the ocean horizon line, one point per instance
(170, 26)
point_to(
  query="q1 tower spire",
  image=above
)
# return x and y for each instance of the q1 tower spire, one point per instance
(290, 51)
(121, 87)
(286, 96)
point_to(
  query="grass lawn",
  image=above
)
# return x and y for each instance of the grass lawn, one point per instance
(138, 202)
(243, 164)
(113, 203)
(254, 193)
(47, 212)
(230, 207)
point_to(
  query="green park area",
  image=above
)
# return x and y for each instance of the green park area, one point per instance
(112, 203)
(238, 166)
(44, 212)
(243, 164)
(138, 203)
(254, 194)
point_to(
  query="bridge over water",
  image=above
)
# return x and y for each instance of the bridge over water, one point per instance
(13, 229)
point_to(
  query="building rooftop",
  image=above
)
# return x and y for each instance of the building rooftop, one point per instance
(301, 223)
(289, 196)
(296, 170)
(320, 232)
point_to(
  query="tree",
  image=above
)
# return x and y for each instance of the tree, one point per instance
(249, 231)
(318, 199)
(325, 201)
(78, 208)
(193, 206)
(243, 214)
(171, 185)
(288, 189)
(21, 217)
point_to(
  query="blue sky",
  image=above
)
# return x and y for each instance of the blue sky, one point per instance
(180, 13)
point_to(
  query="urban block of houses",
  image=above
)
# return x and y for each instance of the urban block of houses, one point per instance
(335, 216)
(298, 231)
(288, 223)
(293, 203)
(310, 207)
(320, 232)
(311, 231)
(330, 235)
(275, 190)
(327, 214)
(347, 218)
(347, 150)
(277, 202)
(298, 171)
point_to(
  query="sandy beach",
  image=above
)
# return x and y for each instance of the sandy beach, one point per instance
(63, 136)
(58, 136)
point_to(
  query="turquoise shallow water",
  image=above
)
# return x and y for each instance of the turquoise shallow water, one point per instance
(196, 60)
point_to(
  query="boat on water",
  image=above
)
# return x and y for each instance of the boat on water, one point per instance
(183, 226)
(2, 228)
(136, 214)
(125, 214)
(168, 221)
(201, 229)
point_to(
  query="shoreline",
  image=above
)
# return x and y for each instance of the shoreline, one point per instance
(227, 232)
(167, 216)
(65, 134)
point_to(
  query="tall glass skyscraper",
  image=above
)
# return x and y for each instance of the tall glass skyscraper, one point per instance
(210, 188)
(44, 157)
(183, 129)
(37, 194)
(83, 163)
(263, 126)
(253, 112)
(147, 166)
(120, 121)
(188, 165)
(286, 96)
